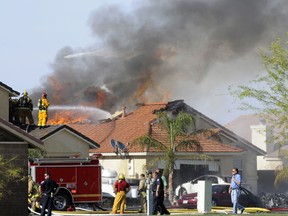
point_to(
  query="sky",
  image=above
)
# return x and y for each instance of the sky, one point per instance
(108, 53)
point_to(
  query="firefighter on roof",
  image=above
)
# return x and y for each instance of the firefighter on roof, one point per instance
(25, 108)
(43, 105)
(121, 187)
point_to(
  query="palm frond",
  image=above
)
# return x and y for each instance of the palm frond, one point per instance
(147, 142)
(281, 175)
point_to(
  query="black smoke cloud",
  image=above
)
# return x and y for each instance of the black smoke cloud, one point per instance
(191, 49)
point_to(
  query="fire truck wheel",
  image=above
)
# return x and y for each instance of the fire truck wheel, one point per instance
(61, 202)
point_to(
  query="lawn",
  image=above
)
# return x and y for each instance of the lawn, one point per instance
(252, 214)
(227, 211)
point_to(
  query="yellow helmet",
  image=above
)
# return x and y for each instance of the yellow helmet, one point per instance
(121, 176)
(25, 93)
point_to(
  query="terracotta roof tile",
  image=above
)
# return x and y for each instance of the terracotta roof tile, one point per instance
(136, 124)
(125, 129)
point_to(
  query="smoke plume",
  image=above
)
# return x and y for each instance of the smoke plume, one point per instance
(165, 50)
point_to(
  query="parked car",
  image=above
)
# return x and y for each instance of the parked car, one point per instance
(221, 197)
(191, 186)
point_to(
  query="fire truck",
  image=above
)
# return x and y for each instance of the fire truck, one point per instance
(79, 179)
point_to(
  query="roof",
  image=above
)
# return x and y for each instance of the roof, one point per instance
(12, 93)
(22, 135)
(53, 129)
(139, 123)
(125, 129)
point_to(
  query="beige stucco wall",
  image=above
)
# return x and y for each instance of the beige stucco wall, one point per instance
(250, 170)
(4, 105)
(131, 168)
(258, 136)
(64, 143)
(264, 163)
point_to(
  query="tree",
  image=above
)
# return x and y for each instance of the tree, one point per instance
(270, 92)
(182, 133)
(36, 153)
(9, 172)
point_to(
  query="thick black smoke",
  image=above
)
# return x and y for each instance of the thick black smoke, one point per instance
(191, 49)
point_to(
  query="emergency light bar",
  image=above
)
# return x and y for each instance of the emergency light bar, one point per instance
(61, 160)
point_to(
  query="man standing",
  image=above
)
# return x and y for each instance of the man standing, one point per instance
(43, 105)
(158, 195)
(142, 191)
(121, 188)
(25, 108)
(234, 190)
(49, 187)
(165, 211)
(149, 179)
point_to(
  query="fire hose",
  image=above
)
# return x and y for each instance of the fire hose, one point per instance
(37, 213)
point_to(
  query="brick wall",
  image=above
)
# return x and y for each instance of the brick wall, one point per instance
(16, 203)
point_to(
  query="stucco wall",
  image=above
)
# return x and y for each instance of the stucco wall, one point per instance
(129, 167)
(16, 203)
(4, 105)
(64, 143)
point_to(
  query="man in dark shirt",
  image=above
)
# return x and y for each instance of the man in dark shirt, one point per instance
(49, 187)
(158, 195)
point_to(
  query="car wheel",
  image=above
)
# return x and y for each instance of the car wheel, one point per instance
(214, 202)
(182, 191)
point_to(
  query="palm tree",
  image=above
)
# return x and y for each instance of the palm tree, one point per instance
(182, 134)
(281, 170)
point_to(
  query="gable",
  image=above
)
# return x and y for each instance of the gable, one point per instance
(14, 134)
(64, 141)
(8, 90)
(66, 144)
(5, 93)
(7, 136)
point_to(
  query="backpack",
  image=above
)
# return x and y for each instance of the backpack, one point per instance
(24, 101)
(40, 105)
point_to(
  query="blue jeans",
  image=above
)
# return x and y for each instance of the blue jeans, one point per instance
(234, 199)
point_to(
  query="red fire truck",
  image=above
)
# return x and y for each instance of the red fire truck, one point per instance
(79, 179)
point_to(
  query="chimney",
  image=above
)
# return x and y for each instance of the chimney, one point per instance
(261, 136)
(123, 111)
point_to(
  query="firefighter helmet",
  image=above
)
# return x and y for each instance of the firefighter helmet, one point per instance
(25, 93)
(121, 176)
(44, 94)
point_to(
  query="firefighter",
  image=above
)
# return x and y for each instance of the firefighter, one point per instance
(34, 194)
(25, 108)
(121, 188)
(142, 192)
(43, 105)
(13, 111)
